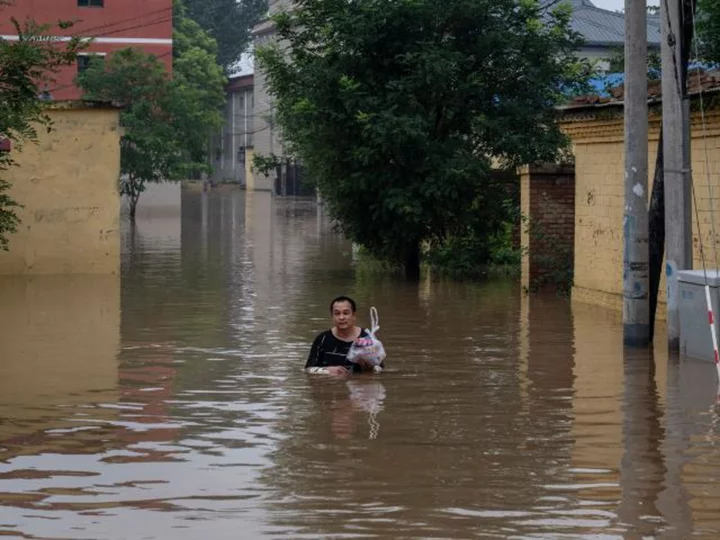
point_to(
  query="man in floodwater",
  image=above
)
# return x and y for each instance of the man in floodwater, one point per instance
(330, 349)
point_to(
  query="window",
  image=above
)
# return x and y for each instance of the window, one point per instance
(91, 3)
(84, 60)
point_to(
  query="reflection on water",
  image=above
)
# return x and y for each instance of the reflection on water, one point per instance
(169, 402)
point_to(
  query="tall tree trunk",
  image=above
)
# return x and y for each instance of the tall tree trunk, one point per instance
(412, 261)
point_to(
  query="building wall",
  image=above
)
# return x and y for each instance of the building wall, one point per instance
(68, 184)
(249, 173)
(266, 134)
(228, 148)
(267, 137)
(597, 136)
(145, 24)
(600, 56)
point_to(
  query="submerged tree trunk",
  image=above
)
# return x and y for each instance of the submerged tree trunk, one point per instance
(412, 261)
(135, 188)
(656, 239)
(133, 207)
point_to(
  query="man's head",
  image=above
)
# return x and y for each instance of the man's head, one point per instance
(342, 299)
(343, 310)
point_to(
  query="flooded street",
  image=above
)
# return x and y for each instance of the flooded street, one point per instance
(169, 402)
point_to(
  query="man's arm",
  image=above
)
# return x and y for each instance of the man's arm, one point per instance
(313, 364)
(313, 359)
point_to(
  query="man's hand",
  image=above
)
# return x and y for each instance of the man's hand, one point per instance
(337, 371)
(365, 365)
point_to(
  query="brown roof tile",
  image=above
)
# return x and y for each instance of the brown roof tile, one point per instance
(699, 80)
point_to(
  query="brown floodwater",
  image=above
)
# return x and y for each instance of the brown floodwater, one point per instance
(169, 402)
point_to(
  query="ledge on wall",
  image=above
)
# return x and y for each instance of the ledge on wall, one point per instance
(80, 104)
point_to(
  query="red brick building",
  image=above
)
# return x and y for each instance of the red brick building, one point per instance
(113, 24)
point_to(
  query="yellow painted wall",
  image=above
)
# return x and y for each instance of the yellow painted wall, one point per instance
(597, 138)
(68, 186)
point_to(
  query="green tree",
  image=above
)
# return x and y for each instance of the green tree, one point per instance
(229, 22)
(167, 121)
(708, 30)
(199, 95)
(149, 150)
(26, 65)
(398, 108)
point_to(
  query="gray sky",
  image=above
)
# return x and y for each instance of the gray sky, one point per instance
(619, 5)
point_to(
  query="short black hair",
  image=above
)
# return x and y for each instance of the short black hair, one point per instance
(343, 299)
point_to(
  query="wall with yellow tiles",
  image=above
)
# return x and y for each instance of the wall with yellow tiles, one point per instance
(597, 138)
(68, 186)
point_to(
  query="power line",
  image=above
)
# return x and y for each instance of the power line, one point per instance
(169, 9)
(115, 23)
(154, 22)
(213, 10)
(151, 23)
(122, 21)
(83, 31)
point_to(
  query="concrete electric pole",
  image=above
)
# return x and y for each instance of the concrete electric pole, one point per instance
(636, 310)
(675, 114)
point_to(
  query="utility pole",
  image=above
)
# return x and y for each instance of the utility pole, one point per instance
(636, 310)
(675, 114)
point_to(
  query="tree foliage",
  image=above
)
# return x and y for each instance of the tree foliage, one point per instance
(149, 147)
(397, 108)
(26, 65)
(167, 120)
(200, 86)
(229, 22)
(708, 29)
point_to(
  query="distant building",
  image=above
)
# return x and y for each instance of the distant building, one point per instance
(113, 25)
(604, 32)
(231, 148)
(267, 134)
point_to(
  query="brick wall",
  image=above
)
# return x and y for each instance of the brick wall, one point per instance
(548, 203)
